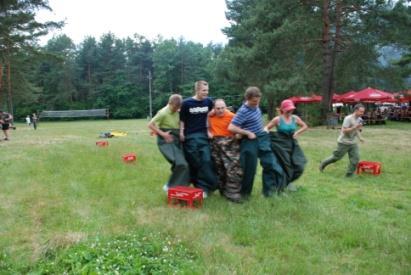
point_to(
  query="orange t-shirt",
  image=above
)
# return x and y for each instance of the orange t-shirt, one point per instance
(219, 125)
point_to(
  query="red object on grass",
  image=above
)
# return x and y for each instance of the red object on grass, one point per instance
(369, 166)
(185, 194)
(102, 143)
(129, 157)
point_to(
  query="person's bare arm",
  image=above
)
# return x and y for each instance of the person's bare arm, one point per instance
(303, 127)
(182, 137)
(168, 137)
(271, 124)
(237, 130)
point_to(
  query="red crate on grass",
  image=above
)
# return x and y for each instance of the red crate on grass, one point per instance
(185, 196)
(369, 167)
(102, 143)
(129, 157)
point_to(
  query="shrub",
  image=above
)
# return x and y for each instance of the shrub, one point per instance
(138, 253)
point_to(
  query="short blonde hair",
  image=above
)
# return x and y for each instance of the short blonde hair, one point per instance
(199, 83)
(175, 99)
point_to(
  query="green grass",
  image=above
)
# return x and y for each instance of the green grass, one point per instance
(59, 192)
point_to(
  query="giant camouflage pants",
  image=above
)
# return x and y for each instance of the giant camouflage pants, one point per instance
(226, 155)
(198, 155)
(173, 153)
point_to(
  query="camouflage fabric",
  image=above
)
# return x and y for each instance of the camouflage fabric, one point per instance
(226, 155)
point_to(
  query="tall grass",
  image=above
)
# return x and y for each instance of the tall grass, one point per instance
(58, 191)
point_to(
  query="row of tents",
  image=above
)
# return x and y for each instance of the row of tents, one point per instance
(367, 95)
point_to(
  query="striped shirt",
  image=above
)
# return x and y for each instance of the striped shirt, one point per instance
(250, 119)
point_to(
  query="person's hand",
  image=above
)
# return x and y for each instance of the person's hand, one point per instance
(238, 136)
(266, 130)
(362, 140)
(358, 126)
(168, 137)
(182, 137)
(210, 135)
(295, 135)
(251, 135)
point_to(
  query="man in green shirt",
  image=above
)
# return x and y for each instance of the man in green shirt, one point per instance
(166, 125)
(347, 141)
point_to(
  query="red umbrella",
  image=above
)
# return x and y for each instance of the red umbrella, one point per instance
(368, 95)
(305, 99)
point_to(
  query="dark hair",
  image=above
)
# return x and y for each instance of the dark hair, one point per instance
(252, 92)
(358, 106)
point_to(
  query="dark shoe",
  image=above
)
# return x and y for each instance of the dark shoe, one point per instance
(235, 200)
(349, 175)
(321, 168)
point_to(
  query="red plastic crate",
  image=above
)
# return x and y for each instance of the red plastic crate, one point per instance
(129, 157)
(185, 196)
(102, 143)
(369, 167)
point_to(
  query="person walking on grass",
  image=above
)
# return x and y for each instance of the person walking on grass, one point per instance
(5, 121)
(225, 150)
(347, 141)
(256, 143)
(28, 120)
(34, 120)
(194, 135)
(284, 142)
(165, 124)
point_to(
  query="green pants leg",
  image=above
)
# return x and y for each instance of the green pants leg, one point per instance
(274, 178)
(173, 153)
(354, 157)
(248, 161)
(342, 149)
(198, 155)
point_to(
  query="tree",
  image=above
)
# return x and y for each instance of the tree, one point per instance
(19, 31)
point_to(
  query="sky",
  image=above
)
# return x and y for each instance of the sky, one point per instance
(195, 20)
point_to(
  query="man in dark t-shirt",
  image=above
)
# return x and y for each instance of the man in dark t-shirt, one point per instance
(194, 135)
(5, 120)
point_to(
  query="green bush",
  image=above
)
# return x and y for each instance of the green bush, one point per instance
(138, 253)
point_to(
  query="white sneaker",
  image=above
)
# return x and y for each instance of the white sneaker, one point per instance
(165, 187)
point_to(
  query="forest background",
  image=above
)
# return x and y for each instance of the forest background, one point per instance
(295, 47)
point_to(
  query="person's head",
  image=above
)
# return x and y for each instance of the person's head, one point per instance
(287, 107)
(252, 96)
(201, 89)
(219, 107)
(359, 110)
(174, 102)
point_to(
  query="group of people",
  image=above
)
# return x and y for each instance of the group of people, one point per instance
(212, 148)
(32, 120)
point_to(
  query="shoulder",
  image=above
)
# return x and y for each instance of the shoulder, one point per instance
(229, 113)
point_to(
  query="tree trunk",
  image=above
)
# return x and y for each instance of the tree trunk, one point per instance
(331, 46)
(10, 97)
(326, 88)
(1, 80)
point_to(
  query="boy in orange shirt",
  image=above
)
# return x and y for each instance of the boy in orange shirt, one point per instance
(225, 150)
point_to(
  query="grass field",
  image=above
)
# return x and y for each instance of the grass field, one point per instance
(61, 196)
